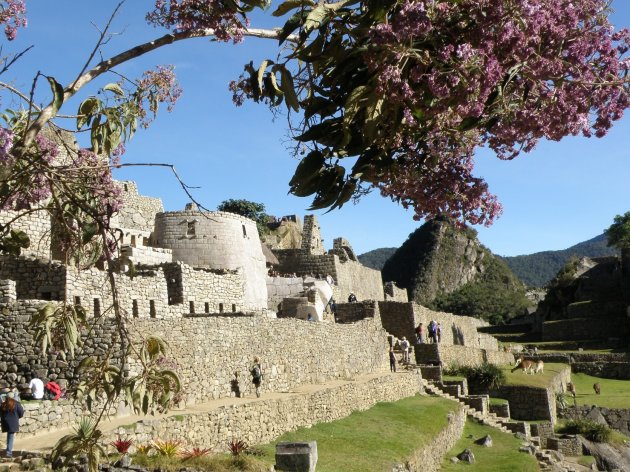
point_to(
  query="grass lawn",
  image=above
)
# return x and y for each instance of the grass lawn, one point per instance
(375, 439)
(502, 456)
(537, 380)
(614, 393)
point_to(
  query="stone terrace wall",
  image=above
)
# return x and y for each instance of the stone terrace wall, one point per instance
(293, 352)
(282, 287)
(618, 419)
(532, 403)
(19, 356)
(400, 319)
(583, 328)
(264, 420)
(429, 458)
(351, 312)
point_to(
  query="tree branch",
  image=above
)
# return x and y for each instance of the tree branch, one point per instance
(48, 113)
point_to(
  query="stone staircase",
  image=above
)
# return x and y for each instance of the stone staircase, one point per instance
(547, 460)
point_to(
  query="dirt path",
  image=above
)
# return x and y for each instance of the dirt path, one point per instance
(44, 442)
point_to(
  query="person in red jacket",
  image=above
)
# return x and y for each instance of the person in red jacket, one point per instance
(10, 413)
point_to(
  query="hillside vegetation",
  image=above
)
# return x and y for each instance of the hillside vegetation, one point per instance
(536, 270)
(376, 259)
(446, 268)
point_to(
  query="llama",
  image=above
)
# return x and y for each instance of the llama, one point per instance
(529, 366)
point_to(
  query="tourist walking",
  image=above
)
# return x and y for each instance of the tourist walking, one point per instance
(438, 332)
(404, 346)
(10, 413)
(257, 375)
(392, 359)
(419, 334)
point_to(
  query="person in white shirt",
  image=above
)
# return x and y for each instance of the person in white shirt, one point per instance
(37, 388)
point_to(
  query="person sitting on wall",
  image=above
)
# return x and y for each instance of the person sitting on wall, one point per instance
(310, 318)
(37, 387)
(352, 298)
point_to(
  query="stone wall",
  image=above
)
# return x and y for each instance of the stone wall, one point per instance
(209, 350)
(395, 294)
(584, 328)
(217, 240)
(34, 278)
(616, 418)
(38, 228)
(533, 403)
(400, 319)
(146, 255)
(19, 355)
(351, 312)
(353, 277)
(264, 420)
(429, 458)
(138, 211)
(282, 287)
(350, 276)
(163, 291)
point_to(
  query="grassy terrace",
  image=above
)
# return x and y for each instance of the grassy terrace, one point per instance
(375, 439)
(614, 393)
(536, 380)
(503, 456)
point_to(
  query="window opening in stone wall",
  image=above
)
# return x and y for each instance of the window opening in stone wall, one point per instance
(244, 231)
(126, 188)
(77, 301)
(133, 241)
(134, 308)
(192, 306)
(233, 308)
(190, 229)
(145, 242)
(152, 309)
(206, 307)
(97, 307)
(220, 307)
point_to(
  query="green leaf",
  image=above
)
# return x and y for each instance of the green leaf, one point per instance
(289, 5)
(290, 26)
(87, 109)
(289, 90)
(354, 103)
(57, 91)
(261, 72)
(114, 87)
(308, 168)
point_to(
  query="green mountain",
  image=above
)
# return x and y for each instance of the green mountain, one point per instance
(446, 268)
(536, 270)
(376, 259)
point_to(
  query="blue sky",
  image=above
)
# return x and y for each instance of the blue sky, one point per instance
(556, 196)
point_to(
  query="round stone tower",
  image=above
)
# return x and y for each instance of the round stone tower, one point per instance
(216, 240)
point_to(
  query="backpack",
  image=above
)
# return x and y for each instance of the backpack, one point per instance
(256, 372)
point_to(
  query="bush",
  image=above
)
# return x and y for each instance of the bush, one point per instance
(484, 377)
(589, 429)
